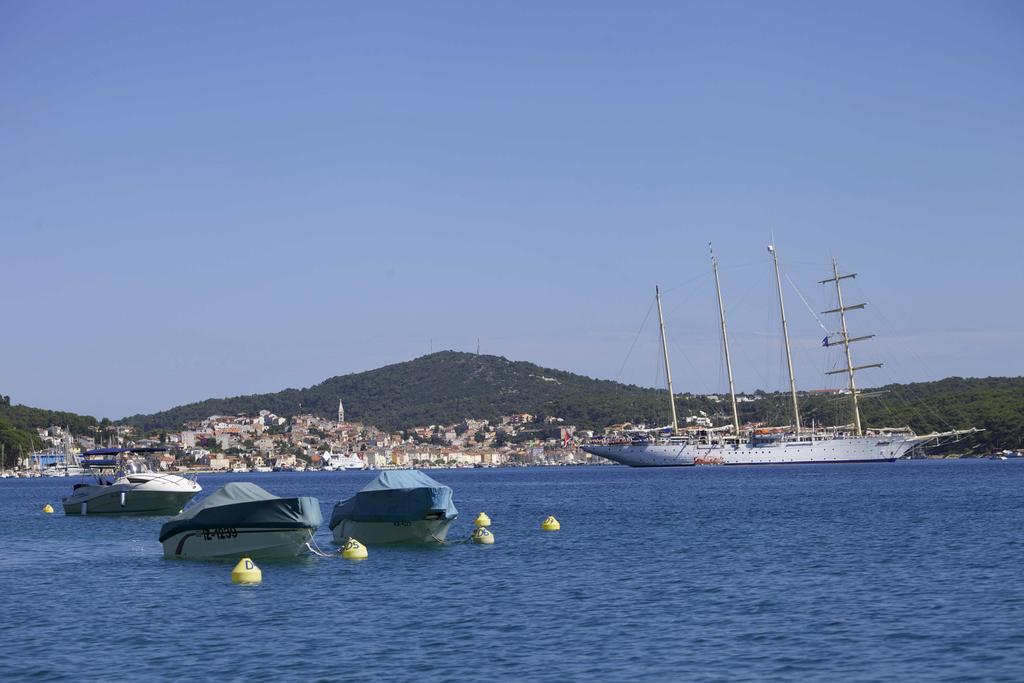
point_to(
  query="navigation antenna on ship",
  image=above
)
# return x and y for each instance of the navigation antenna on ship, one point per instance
(785, 335)
(847, 340)
(668, 370)
(725, 343)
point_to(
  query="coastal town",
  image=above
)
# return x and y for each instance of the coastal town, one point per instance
(269, 442)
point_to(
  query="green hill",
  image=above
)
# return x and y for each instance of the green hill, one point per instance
(446, 387)
(441, 388)
(18, 424)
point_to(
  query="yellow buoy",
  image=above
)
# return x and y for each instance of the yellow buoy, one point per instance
(483, 536)
(48, 509)
(354, 550)
(246, 572)
(482, 520)
(550, 524)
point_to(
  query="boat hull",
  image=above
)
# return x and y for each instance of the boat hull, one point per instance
(822, 451)
(133, 502)
(231, 543)
(647, 455)
(418, 532)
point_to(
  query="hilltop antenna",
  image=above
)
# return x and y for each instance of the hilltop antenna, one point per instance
(478, 346)
(850, 370)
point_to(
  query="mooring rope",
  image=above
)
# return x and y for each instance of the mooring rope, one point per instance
(315, 549)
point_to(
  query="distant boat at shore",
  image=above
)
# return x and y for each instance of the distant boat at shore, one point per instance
(341, 461)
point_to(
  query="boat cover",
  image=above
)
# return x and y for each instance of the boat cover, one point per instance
(396, 496)
(241, 505)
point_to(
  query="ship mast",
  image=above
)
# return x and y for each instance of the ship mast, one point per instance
(847, 340)
(785, 336)
(725, 343)
(668, 370)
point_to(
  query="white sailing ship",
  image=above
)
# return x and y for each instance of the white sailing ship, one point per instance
(793, 444)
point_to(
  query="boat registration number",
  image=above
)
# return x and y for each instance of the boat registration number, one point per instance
(220, 533)
(403, 523)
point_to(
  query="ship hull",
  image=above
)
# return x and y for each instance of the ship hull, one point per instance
(418, 532)
(823, 451)
(117, 500)
(648, 455)
(233, 543)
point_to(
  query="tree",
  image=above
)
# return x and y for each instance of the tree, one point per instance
(16, 442)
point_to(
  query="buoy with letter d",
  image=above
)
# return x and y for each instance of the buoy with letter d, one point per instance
(48, 509)
(550, 524)
(482, 536)
(246, 572)
(482, 520)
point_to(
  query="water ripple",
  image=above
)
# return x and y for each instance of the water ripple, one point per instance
(823, 573)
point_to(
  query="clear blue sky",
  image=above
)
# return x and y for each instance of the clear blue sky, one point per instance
(207, 199)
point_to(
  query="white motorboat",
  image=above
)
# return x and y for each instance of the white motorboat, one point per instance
(242, 519)
(133, 490)
(399, 506)
(65, 471)
(341, 461)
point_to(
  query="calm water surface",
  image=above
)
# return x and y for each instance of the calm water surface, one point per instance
(860, 572)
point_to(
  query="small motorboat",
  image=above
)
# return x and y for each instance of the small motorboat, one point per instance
(242, 519)
(399, 506)
(132, 490)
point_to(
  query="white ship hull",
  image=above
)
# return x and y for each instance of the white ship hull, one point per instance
(135, 494)
(123, 500)
(840, 450)
(646, 455)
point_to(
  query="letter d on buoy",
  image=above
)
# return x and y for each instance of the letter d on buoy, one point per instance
(482, 536)
(246, 572)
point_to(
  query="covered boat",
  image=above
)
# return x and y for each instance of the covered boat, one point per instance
(399, 506)
(242, 519)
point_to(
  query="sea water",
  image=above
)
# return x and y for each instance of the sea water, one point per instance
(903, 571)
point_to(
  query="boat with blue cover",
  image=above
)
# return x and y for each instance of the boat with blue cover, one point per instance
(242, 519)
(399, 506)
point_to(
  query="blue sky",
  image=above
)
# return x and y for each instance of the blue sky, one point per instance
(208, 199)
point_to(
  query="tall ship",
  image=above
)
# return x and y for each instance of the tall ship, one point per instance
(792, 444)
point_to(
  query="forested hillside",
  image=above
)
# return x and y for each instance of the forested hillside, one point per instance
(446, 387)
(18, 427)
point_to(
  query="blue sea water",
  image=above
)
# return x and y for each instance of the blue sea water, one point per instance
(908, 571)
